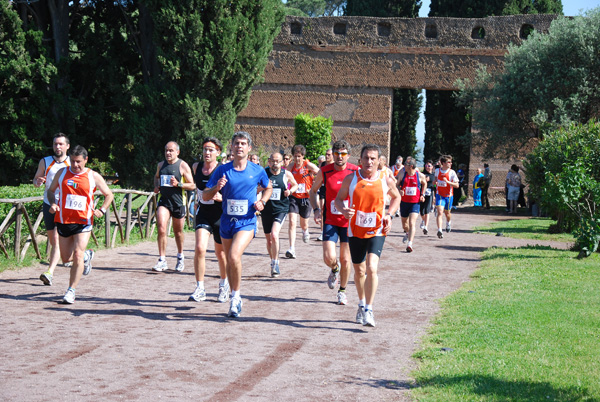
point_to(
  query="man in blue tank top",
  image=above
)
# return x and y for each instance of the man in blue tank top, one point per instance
(238, 181)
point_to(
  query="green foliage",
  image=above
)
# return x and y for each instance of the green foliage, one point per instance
(383, 8)
(564, 176)
(314, 133)
(548, 82)
(25, 121)
(314, 8)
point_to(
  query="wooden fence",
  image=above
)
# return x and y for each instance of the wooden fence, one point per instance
(119, 220)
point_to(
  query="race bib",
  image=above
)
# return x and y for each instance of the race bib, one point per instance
(410, 191)
(75, 202)
(301, 188)
(366, 219)
(276, 194)
(427, 192)
(165, 180)
(334, 210)
(237, 207)
(441, 183)
(209, 202)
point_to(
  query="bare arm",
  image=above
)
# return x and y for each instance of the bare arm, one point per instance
(40, 177)
(314, 169)
(186, 174)
(106, 192)
(51, 190)
(157, 178)
(394, 204)
(293, 187)
(347, 211)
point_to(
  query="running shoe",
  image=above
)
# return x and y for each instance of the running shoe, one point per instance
(448, 228)
(409, 249)
(397, 214)
(46, 277)
(342, 299)
(180, 265)
(320, 237)
(333, 277)
(425, 231)
(68, 264)
(235, 308)
(198, 295)
(405, 238)
(160, 266)
(290, 253)
(369, 319)
(360, 315)
(275, 270)
(305, 236)
(223, 292)
(422, 225)
(87, 261)
(440, 234)
(69, 297)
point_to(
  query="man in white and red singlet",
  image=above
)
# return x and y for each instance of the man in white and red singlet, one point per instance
(304, 172)
(74, 211)
(412, 185)
(446, 182)
(367, 190)
(46, 171)
(335, 225)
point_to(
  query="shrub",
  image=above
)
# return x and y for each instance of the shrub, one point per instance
(314, 133)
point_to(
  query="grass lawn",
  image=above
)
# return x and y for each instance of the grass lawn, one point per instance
(530, 228)
(526, 328)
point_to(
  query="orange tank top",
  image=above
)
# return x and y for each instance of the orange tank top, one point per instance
(367, 198)
(443, 188)
(304, 178)
(76, 197)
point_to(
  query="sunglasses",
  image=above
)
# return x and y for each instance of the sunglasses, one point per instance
(340, 153)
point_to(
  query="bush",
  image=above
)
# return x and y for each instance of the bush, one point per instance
(314, 133)
(564, 175)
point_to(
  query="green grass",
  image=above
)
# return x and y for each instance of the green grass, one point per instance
(526, 328)
(530, 228)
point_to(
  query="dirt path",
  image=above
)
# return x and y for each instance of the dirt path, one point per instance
(133, 335)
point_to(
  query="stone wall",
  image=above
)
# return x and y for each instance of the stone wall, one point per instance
(347, 67)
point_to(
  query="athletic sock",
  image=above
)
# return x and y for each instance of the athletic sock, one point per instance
(362, 302)
(180, 256)
(222, 282)
(235, 293)
(342, 289)
(161, 258)
(200, 284)
(369, 307)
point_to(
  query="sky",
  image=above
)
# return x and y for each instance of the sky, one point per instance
(570, 8)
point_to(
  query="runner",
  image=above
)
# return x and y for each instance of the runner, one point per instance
(398, 166)
(412, 185)
(335, 225)
(208, 221)
(446, 182)
(173, 177)
(368, 225)
(46, 171)
(238, 182)
(427, 206)
(303, 172)
(75, 213)
(328, 161)
(277, 207)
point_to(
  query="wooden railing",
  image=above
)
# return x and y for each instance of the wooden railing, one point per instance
(120, 219)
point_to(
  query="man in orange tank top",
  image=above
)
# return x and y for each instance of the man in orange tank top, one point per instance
(367, 190)
(75, 212)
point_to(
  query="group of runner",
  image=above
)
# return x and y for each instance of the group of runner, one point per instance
(354, 204)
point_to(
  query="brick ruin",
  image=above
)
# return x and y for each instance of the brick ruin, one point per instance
(347, 67)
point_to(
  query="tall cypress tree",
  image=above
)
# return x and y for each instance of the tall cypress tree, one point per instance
(446, 123)
(406, 102)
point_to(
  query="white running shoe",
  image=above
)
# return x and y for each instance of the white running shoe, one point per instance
(160, 266)
(180, 265)
(440, 234)
(235, 308)
(223, 293)
(88, 256)
(405, 238)
(275, 270)
(425, 231)
(333, 277)
(422, 225)
(69, 297)
(290, 253)
(369, 319)
(448, 228)
(198, 295)
(305, 236)
(341, 298)
(360, 315)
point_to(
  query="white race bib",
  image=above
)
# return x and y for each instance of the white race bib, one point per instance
(165, 180)
(334, 210)
(75, 202)
(366, 219)
(301, 188)
(410, 191)
(237, 207)
(427, 192)
(276, 194)
(209, 202)
(441, 183)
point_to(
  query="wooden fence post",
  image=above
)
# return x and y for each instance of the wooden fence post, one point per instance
(18, 225)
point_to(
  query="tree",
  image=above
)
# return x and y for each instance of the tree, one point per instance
(406, 103)
(314, 8)
(25, 74)
(314, 133)
(548, 82)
